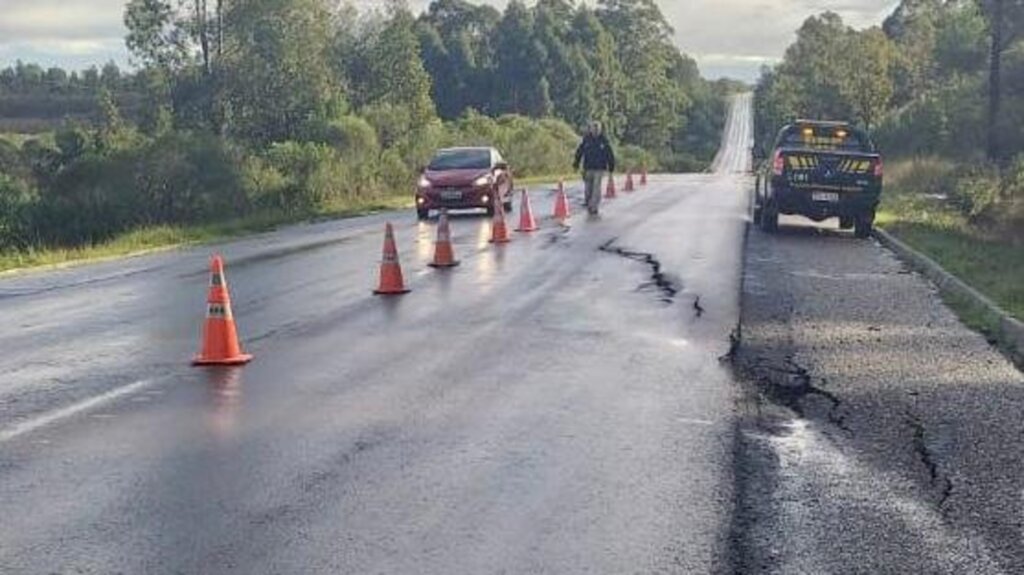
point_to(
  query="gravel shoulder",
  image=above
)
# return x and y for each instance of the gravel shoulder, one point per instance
(879, 435)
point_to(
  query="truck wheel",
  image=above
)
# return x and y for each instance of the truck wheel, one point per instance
(422, 214)
(863, 226)
(846, 223)
(770, 218)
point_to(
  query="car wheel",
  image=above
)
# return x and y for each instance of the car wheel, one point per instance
(863, 226)
(846, 223)
(770, 217)
(422, 214)
(508, 206)
(490, 211)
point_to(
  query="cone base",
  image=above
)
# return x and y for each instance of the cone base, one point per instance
(391, 291)
(528, 229)
(238, 360)
(444, 265)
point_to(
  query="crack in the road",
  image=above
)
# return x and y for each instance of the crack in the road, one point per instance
(936, 478)
(788, 383)
(659, 280)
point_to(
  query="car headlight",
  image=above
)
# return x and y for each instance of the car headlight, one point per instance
(483, 181)
(424, 182)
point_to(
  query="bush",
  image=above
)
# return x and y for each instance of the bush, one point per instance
(924, 175)
(635, 158)
(949, 122)
(978, 191)
(179, 178)
(15, 201)
(313, 175)
(532, 147)
(356, 144)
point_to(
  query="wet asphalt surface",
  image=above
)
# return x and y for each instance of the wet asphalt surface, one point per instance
(556, 405)
(878, 434)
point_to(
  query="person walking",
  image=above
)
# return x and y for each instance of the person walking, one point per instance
(597, 157)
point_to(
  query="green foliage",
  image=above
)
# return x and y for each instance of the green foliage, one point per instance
(396, 73)
(15, 221)
(276, 67)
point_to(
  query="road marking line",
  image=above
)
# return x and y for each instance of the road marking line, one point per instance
(54, 416)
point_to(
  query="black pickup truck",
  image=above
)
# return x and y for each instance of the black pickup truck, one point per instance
(820, 170)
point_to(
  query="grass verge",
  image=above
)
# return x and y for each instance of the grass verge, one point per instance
(993, 267)
(158, 238)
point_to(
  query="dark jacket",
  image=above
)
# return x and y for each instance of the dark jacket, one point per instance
(596, 154)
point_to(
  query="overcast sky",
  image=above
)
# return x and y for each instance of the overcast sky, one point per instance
(728, 37)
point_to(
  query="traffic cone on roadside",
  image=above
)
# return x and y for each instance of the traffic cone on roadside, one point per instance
(643, 176)
(561, 205)
(391, 280)
(630, 185)
(609, 193)
(527, 223)
(499, 229)
(220, 336)
(444, 253)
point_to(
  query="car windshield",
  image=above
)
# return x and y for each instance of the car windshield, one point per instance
(825, 138)
(461, 160)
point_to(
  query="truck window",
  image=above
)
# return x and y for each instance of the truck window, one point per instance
(824, 138)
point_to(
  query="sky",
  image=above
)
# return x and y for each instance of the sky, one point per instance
(728, 38)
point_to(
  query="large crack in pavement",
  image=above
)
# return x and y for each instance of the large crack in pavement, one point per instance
(939, 481)
(659, 280)
(784, 382)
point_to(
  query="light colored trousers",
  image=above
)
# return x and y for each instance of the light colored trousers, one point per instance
(592, 188)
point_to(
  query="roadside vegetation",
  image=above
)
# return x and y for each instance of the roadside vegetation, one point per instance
(247, 112)
(941, 86)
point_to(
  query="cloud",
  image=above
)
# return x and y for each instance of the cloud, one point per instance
(733, 35)
(62, 32)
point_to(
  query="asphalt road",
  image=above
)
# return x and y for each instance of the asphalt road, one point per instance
(548, 407)
(879, 434)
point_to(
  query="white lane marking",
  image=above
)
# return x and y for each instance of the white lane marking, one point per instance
(36, 423)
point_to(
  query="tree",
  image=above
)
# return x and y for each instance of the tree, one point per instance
(654, 104)
(866, 74)
(397, 75)
(521, 60)
(276, 70)
(1005, 19)
(597, 46)
(154, 37)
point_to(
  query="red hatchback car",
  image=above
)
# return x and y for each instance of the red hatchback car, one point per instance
(464, 178)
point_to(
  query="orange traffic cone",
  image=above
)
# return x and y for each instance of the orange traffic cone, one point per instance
(630, 186)
(391, 281)
(444, 253)
(643, 176)
(561, 205)
(527, 223)
(220, 336)
(499, 229)
(609, 193)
